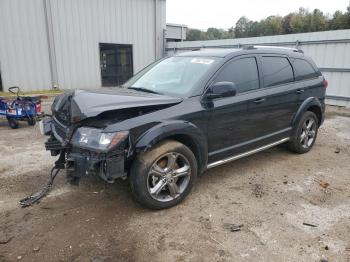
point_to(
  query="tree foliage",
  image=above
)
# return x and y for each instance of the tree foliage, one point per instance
(301, 21)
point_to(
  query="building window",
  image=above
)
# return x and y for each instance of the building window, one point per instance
(116, 63)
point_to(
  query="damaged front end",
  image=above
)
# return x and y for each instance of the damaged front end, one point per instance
(83, 150)
(80, 130)
(88, 151)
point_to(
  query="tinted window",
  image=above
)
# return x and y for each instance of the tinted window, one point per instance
(243, 73)
(303, 70)
(276, 70)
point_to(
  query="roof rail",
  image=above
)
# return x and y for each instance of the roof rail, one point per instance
(273, 47)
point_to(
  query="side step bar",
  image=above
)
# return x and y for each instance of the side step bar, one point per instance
(248, 153)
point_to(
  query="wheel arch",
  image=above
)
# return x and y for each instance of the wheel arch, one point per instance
(312, 104)
(317, 111)
(181, 131)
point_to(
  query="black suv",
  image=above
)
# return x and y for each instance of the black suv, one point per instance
(185, 114)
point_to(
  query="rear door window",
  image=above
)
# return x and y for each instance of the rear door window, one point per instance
(304, 70)
(276, 70)
(242, 72)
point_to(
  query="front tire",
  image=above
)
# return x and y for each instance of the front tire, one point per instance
(163, 176)
(305, 134)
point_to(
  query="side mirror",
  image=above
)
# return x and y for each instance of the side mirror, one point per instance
(221, 89)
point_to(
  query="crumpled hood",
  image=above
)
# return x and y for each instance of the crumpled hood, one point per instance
(90, 103)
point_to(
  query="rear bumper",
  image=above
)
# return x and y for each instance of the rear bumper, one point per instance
(80, 162)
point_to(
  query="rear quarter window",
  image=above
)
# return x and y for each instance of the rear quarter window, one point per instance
(276, 70)
(304, 70)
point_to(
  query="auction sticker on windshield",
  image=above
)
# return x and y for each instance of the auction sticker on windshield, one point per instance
(204, 61)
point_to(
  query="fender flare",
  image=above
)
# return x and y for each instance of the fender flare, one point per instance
(168, 129)
(309, 102)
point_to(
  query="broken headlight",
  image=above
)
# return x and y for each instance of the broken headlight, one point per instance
(95, 139)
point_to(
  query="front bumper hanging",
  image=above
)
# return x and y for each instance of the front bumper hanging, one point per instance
(82, 162)
(109, 167)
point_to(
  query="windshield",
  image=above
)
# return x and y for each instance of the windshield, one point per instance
(172, 76)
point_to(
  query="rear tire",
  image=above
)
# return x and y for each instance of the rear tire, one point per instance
(163, 176)
(305, 133)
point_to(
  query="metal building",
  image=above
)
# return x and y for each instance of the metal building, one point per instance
(176, 32)
(77, 43)
(330, 50)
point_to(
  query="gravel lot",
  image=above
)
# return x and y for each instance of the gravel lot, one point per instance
(249, 210)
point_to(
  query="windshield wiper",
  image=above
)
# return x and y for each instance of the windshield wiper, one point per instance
(143, 90)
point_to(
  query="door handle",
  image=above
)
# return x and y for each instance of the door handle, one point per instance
(300, 91)
(259, 101)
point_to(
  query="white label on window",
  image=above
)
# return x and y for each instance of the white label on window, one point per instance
(204, 61)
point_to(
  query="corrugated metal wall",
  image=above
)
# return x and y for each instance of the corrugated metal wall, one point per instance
(161, 27)
(330, 50)
(24, 57)
(75, 29)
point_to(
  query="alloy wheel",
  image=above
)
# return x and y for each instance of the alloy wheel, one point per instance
(308, 133)
(168, 177)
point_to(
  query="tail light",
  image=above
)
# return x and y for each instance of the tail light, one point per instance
(325, 83)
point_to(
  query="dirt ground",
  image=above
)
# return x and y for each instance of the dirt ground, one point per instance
(249, 210)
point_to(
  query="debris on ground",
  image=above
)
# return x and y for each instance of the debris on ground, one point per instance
(3, 169)
(324, 184)
(258, 190)
(308, 224)
(4, 239)
(221, 252)
(206, 222)
(232, 227)
(36, 197)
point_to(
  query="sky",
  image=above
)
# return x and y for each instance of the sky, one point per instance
(224, 14)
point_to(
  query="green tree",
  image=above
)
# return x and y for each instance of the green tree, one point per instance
(228, 34)
(272, 25)
(254, 29)
(193, 34)
(286, 24)
(242, 27)
(300, 21)
(296, 22)
(214, 33)
(348, 14)
(318, 21)
(338, 21)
